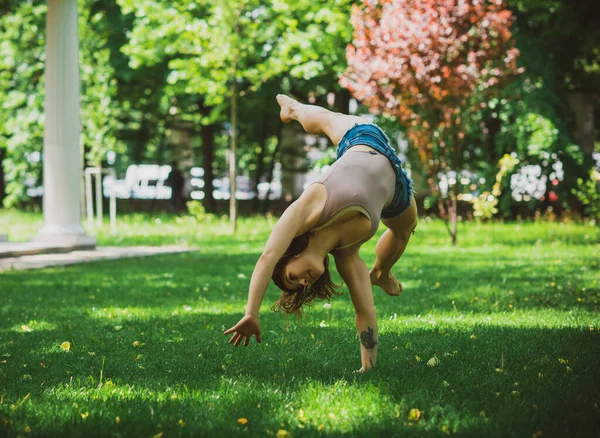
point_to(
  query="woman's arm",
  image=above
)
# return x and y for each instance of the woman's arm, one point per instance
(355, 274)
(297, 219)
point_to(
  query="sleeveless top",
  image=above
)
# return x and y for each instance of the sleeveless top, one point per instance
(359, 181)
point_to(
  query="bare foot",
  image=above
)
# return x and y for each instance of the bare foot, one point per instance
(388, 283)
(287, 110)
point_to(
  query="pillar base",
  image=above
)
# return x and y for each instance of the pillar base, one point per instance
(71, 236)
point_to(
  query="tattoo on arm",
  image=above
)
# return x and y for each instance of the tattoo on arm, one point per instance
(367, 339)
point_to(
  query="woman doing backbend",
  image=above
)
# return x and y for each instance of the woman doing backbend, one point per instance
(336, 215)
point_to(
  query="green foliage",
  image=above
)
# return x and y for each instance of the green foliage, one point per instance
(22, 96)
(99, 108)
(197, 211)
(588, 193)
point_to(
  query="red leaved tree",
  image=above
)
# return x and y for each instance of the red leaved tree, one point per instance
(429, 63)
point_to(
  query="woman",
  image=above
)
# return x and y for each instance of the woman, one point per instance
(336, 216)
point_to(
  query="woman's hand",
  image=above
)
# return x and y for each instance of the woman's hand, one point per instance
(247, 327)
(362, 370)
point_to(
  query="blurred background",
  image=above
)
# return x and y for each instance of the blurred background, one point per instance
(493, 106)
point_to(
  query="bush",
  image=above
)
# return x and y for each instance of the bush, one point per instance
(197, 211)
(588, 193)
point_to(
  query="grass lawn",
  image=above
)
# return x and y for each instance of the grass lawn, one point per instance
(499, 336)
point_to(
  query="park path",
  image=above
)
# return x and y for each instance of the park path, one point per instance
(20, 256)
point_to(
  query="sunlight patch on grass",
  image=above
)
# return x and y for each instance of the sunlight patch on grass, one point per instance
(545, 318)
(33, 326)
(132, 314)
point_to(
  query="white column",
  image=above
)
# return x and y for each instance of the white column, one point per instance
(62, 154)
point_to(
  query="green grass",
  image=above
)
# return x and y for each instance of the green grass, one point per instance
(511, 315)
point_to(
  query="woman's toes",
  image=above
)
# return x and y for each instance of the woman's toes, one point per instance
(285, 103)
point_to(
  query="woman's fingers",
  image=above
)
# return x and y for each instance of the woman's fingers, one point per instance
(232, 329)
(238, 337)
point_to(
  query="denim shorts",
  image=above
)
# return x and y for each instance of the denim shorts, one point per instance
(373, 136)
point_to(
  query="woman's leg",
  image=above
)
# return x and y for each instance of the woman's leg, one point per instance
(390, 247)
(317, 120)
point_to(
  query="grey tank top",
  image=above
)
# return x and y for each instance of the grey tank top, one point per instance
(361, 181)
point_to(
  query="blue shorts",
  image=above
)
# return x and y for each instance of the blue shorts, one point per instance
(373, 136)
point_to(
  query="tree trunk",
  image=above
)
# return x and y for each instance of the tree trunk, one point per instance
(493, 127)
(260, 164)
(342, 101)
(232, 160)
(207, 134)
(583, 107)
(2, 188)
(453, 210)
(272, 169)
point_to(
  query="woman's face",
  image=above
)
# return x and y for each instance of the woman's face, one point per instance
(302, 271)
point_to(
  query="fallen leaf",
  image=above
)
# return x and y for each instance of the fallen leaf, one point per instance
(66, 346)
(281, 433)
(414, 414)
(26, 328)
(301, 415)
(243, 421)
(84, 415)
(434, 361)
(158, 435)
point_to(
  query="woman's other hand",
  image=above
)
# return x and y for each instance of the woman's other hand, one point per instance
(247, 327)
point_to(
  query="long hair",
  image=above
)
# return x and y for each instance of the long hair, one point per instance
(291, 301)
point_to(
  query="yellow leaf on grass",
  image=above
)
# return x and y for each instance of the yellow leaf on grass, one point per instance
(414, 414)
(26, 328)
(158, 435)
(242, 421)
(66, 346)
(301, 415)
(434, 361)
(84, 415)
(281, 433)
(181, 423)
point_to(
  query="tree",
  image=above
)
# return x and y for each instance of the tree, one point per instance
(430, 64)
(227, 50)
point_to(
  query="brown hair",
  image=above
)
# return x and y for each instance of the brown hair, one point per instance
(293, 300)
